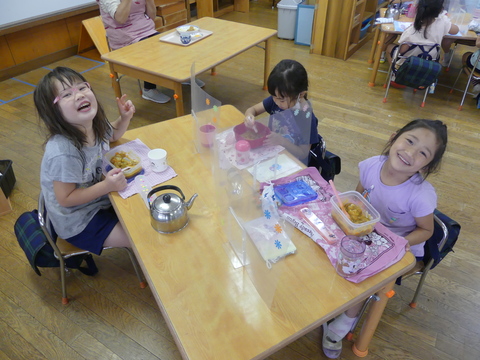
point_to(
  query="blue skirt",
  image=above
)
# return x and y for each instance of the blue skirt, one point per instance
(96, 232)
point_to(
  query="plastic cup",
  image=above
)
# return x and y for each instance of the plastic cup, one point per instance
(158, 160)
(350, 256)
(207, 135)
(242, 148)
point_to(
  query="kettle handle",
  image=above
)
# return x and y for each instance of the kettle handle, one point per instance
(161, 188)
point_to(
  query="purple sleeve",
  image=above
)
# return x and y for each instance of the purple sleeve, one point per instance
(425, 200)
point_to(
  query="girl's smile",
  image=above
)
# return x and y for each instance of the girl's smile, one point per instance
(77, 103)
(412, 151)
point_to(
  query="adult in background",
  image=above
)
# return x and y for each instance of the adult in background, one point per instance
(127, 22)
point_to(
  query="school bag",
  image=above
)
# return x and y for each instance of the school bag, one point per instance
(39, 252)
(325, 161)
(418, 71)
(431, 247)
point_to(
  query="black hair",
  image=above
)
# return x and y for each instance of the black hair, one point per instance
(44, 95)
(427, 11)
(288, 78)
(440, 131)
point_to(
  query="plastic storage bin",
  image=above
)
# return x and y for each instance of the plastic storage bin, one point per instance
(364, 30)
(349, 227)
(287, 17)
(7, 177)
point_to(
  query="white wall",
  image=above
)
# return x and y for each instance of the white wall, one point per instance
(13, 12)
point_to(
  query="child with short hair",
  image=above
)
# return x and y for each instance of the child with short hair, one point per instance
(395, 185)
(288, 86)
(71, 170)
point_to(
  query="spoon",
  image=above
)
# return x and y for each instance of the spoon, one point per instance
(252, 120)
(338, 198)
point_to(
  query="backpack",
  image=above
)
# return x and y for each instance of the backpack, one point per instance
(417, 73)
(431, 247)
(38, 250)
(328, 163)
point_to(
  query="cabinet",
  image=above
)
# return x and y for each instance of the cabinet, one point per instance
(341, 27)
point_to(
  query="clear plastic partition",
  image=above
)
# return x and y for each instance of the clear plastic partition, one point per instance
(258, 238)
(461, 12)
(294, 125)
(206, 115)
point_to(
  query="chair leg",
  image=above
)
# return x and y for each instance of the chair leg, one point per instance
(413, 303)
(136, 266)
(63, 280)
(466, 90)
(140, 87)
(425, 96)
(359, 316)
(389, 80)
(456, 80)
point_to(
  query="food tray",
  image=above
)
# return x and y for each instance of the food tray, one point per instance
(174, 37)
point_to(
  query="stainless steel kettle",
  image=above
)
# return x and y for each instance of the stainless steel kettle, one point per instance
(169, 212)
(393, 12)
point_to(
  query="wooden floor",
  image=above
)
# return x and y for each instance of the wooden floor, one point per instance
(110, 317)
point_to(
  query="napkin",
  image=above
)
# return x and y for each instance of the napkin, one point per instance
(152, 177)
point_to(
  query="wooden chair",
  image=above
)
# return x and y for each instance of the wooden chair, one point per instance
(64, 250)
(93, 33)
(471, 73)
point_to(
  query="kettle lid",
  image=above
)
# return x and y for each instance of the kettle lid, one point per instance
(167, 203)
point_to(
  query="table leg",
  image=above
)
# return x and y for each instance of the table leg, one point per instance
(115, 81)
(213, 71)
(374, 44)
(266, 65)
(177, 88)
(360, 347)
(376, 62)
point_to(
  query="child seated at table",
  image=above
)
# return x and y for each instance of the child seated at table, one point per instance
(288, 85)
(78, 133)
(430, 26)
(394, 183)
(469, 59)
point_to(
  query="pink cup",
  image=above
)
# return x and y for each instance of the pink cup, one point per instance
(242, 148)
(207, 135)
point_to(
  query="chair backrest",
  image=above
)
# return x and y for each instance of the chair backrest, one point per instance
(47, 226)
(93, 30)
(444, 238)
(327, 163)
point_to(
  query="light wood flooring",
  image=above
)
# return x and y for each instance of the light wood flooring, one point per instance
(110, 317)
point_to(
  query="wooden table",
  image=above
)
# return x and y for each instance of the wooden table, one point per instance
(379, 39)
(213, 309)
(169, 65)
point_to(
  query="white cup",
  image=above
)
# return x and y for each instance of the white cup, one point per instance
(158, 160)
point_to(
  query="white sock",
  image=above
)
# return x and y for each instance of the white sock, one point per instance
(340, 327)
